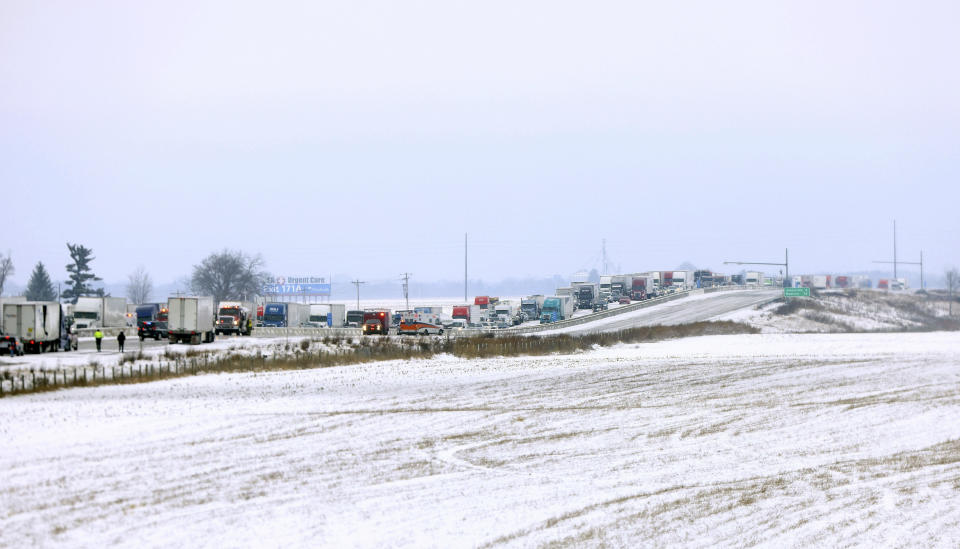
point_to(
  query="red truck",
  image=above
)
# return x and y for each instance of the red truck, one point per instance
(841, 282)
(666, 278)
(883, 284)
(482, 301)
(376, 322)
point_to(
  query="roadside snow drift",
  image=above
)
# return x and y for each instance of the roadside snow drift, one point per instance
(781, 440)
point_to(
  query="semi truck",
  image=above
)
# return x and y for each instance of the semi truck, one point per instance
(328, 315)
(376, 322)
(5, 300)
(642, 287)
(235, 317)
(151, 312)
(584, 294)
(471, 314)
(606, 289)
(100, 312)
(190, 320)
(556, 308)
(285, 315)
(36, 326)
(619, 287)
(506, 314)
(531, 305)
(753, 278)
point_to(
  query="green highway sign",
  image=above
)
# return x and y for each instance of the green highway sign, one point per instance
(796, 292)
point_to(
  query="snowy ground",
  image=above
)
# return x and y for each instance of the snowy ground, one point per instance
(847, 311)
(779, 440)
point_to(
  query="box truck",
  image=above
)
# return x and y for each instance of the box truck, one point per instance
(190, 319)
(376, 322)
(37, 326)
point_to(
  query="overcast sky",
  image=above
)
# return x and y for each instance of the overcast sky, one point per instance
(366, 138)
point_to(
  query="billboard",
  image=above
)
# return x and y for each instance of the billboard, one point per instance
(298, 286)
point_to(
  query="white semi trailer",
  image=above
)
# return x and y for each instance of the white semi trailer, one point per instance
(190, 319)
(100, 312)
(37, 325)
(327, 315)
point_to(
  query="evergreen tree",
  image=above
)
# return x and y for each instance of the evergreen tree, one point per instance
(80, 273)
(40, 288)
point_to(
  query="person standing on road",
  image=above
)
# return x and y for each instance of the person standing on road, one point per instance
(98, 337)
(120, 339)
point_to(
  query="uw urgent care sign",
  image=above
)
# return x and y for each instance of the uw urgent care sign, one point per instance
(298, 285)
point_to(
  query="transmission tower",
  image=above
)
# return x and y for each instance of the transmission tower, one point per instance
(405, 277)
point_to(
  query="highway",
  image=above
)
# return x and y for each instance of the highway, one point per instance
(682, 311)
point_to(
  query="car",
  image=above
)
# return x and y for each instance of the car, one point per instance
(157, 329)
(624, 300)
(9, 342)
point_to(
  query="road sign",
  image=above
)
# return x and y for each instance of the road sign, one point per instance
(796, 292)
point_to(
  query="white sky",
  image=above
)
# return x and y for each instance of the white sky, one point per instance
(366, 137)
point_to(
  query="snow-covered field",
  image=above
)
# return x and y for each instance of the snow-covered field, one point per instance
(848, 311)
(778, 440)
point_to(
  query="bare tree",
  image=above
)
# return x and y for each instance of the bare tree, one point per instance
(139, 286)
(6, 269)
(229, 275)
(952, 277)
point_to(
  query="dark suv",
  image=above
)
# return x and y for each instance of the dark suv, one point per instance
(157, 329)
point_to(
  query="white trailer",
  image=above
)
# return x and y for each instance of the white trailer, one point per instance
(755, 278)
(5, 300)
(327, 315)
(100, 312)
(37, 325)
(606, 286)
(190, 319)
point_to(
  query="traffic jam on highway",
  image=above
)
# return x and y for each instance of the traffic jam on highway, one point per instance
(36, 327)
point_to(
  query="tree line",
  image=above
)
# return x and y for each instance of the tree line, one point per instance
(225, 275)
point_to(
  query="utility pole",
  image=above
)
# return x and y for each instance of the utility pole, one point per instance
(357, 283)
(895, 262)
(465, 267)
(405, 277)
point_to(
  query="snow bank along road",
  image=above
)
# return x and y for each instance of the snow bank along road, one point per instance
(782, 440)
(695, 308)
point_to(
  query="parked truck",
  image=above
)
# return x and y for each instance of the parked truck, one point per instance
(286, 315)
(471, 314)
(235, 317)
(531, 305)
(606, 289)
(642, 287)
(376, 322)
(151, 312)
(507, 314)
(327, 315)
(753, 278)
(619, 287)
(190, 320)
(35, 326)
(100, 312)
(556, 308)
